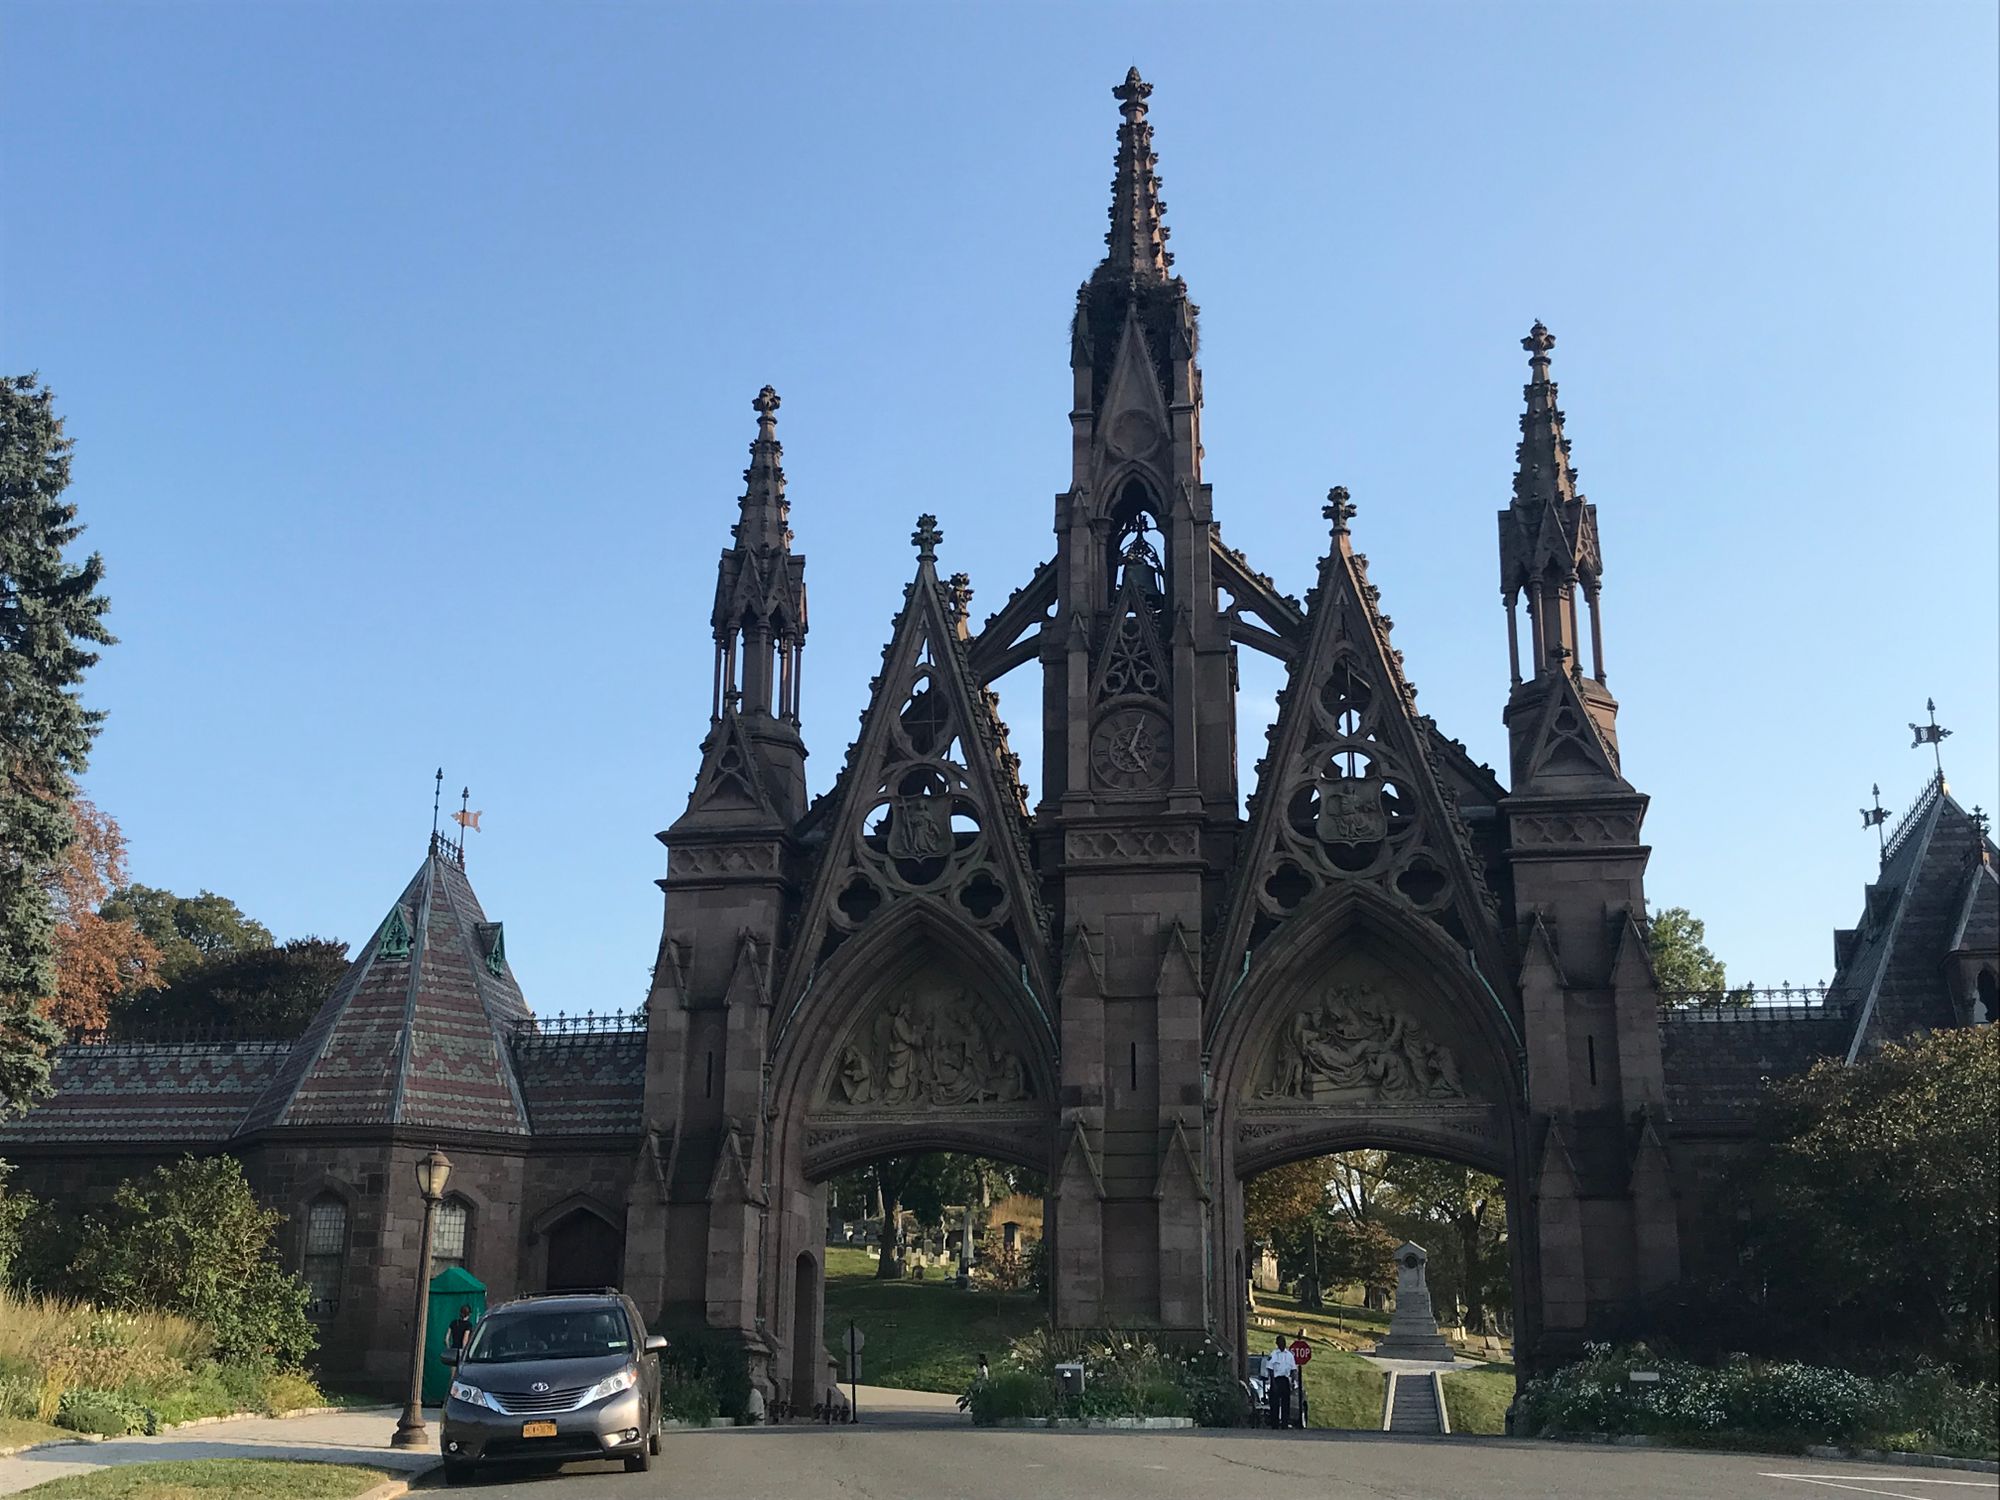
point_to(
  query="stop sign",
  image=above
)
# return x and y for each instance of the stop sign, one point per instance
(1302, 1351)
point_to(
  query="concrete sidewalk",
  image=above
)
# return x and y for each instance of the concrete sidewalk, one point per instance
(360, 1436)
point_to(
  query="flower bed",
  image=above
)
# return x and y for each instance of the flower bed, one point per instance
(1126, 1376)
(1785, 1405)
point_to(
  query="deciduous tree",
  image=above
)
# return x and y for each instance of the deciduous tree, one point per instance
(1681, 958)
(51, 613)
(264, 992)
(189, 931)
(99, 958)
(1875, 1202)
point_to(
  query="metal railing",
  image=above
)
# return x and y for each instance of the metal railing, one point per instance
(1750, 1003)
(590, 1026)
(1907, 824)
(178, 1038)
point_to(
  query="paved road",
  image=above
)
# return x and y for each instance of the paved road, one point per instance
(924, 1461)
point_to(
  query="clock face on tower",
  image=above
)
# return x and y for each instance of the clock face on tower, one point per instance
(1132, 750)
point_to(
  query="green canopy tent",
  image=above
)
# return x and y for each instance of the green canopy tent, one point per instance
(452, 1288)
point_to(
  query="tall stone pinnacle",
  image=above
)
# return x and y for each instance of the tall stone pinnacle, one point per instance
(765, 522)
(1543, 475)
(1136, 244)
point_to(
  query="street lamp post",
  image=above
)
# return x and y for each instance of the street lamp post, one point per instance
(432, 1173)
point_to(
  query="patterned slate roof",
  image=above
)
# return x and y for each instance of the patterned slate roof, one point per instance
(177, 1093)
(1929, 886)
(583, 1085)
(1717, 1062)
(417, 1037)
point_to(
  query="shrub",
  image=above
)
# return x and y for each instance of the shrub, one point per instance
(1787, 1401)
(688, 1400)
(697, 1354)
(1009, 1395)
(191, 1238)
(1126, 1374)
(108, 1413)
(15, 1211)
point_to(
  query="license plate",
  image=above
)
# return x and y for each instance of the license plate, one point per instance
(538, 1429)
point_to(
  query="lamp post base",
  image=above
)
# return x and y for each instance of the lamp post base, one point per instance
(411, 1431)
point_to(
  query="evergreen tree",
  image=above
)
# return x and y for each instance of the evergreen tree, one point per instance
(50, 611)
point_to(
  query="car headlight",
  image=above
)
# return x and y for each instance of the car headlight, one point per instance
(472, 1395)
(611, 1385)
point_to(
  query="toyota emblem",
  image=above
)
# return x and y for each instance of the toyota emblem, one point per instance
(539, 1386)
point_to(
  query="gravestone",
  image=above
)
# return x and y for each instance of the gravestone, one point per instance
(1413, 1330)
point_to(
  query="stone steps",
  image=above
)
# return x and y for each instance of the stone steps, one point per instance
(1413, 1405)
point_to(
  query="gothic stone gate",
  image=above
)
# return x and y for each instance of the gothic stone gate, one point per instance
(1134, 983)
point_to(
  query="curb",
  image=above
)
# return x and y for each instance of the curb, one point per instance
(1905, 1460)
(235, 1416)
(389, 1489)
(1826, 1451)
(1121, 1424)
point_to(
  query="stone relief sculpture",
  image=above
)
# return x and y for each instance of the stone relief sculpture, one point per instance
(928, 1052)
(1354, 1043)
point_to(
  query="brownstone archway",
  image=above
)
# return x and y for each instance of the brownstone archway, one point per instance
(918, 1035)
(1362, 1025)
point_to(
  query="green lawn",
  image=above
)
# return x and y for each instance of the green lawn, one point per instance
(1477, 1400)
(216, 1479)
(922, 1335)
(18, 1432)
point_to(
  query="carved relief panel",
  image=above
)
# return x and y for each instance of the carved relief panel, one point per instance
(1351, 1044)
(928, 1051)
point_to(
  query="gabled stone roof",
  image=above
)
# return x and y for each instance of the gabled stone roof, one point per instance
(1925, 904)
(416, 1033)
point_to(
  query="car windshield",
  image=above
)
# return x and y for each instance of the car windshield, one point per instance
(550, 1333)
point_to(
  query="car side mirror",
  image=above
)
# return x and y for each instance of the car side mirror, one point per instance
(655, 1343)
(449, 1356)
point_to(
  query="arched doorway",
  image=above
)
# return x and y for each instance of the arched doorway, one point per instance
(586, 1251)
(1362, 1025)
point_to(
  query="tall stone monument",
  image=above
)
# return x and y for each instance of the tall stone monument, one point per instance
(1413, 1329)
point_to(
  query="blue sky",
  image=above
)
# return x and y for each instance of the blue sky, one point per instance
(408, 351)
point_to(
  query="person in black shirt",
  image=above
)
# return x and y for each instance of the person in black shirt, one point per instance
(460, 1330)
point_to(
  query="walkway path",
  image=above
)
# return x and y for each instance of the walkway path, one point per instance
(360, 1436)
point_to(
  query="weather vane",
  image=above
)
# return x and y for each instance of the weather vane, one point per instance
(1933, 734)
(465, 819)
(1874, 817)
(437, 795)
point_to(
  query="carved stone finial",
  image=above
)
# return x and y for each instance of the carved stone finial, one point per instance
(1538, 343)
(766, 402)
(958, 595)
(926, 538)
(1338, 509)
(1132, 94)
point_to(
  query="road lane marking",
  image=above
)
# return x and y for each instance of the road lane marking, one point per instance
(1833, 1483)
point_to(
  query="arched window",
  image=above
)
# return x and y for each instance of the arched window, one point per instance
(1138, 540)
(451, 1236)
(325, 1255)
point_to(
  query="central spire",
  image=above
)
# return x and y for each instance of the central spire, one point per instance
(1137, 241)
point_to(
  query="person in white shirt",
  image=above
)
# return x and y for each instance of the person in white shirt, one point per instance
(1281, 1373)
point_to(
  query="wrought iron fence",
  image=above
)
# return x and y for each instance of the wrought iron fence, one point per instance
(181, 1038)
(1749, 1003)
(588, 1026)
(1907, 824)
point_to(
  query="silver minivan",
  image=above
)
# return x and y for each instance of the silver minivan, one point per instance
(555, 1380)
